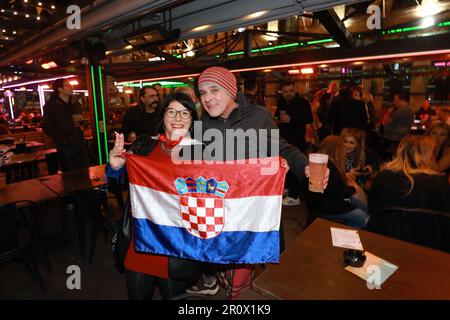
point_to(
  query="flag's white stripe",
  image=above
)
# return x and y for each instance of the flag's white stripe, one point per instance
(257, 214)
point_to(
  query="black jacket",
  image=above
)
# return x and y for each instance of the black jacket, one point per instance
(247, 116)
(141, 122)
(299, 110)
(348, 113)
(58, 124)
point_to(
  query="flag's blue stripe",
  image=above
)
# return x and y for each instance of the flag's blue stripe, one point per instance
(226, 248)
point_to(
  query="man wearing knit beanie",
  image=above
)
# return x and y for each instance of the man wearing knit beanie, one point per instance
(226, 110)
(218, 91)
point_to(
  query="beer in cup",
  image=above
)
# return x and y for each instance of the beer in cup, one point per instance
(317, 170)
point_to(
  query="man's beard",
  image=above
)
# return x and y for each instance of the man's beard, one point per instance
(152, 106)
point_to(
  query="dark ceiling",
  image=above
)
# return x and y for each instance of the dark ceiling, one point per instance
(274, 28)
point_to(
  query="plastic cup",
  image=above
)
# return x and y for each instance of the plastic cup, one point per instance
(317, 169)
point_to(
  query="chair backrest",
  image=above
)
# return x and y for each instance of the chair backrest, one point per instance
(9, 237)
(52, 163)
(425, 227)
(13, 217)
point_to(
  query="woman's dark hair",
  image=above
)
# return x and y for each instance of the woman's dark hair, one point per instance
(182, 98)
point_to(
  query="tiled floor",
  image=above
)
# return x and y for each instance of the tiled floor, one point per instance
(101, 280)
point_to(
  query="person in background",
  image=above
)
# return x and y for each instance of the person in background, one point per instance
(294, 116)
(426, 113)
(143, 118)
(343, 198)
(251, 91)
(441, 132)
(324, 115)
(367, 98)
(58, 124)
(411, 180)
(396, 124)
(360, 161)
(144, 271)
(191, 93)
(348, 112)
(77, 113)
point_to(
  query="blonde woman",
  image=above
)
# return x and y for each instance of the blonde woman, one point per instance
(360, 161)
(411, 179)
(343, 199)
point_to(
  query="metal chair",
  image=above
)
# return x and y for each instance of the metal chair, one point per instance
(12, 219)
(425, 227)
(88, 203)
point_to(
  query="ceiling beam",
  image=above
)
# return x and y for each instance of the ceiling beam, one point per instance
(310, 57)
(335, 27)
(19, 25)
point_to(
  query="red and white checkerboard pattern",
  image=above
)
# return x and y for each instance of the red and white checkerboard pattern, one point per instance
(202, 217)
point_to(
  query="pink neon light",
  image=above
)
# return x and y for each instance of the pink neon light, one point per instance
(37, 81)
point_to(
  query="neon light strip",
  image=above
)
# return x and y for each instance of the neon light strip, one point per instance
(164, 84)
(319, 41)
(96, 116)
(41, 98)
(367, 58)
(103, 113)
(38, 81)
(78, 91)
(11, 106)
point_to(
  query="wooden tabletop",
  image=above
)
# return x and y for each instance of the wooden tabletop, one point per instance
(311, 268)
(31, 190)
(29, 157)
(84, 179)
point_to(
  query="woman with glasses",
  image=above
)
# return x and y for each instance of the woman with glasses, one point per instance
(144, 271)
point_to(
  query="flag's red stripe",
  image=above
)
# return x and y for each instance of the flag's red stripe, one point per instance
(244, 180)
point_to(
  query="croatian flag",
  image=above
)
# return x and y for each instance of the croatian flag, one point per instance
(225, 212)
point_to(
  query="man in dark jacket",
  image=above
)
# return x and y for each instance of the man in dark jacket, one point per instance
(347, 112)
(227, 112)
(59, 126)
(143, 118)
(294, 115)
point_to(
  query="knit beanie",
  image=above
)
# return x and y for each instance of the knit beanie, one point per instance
(220, 77)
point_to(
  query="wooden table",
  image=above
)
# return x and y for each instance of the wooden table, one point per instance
(311, 268)
(31, 190)
(25, 158)
(64, 183)
(23, 166)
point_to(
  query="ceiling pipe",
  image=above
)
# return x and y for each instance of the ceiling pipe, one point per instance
(101, 14)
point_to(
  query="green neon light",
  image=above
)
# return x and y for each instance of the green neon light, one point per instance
(319, 41)
(96, 115)
(408, 29)
(103, 112)
(235, 53)
(281, 46)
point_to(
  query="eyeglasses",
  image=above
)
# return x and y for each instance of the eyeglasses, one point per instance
(184, 114)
